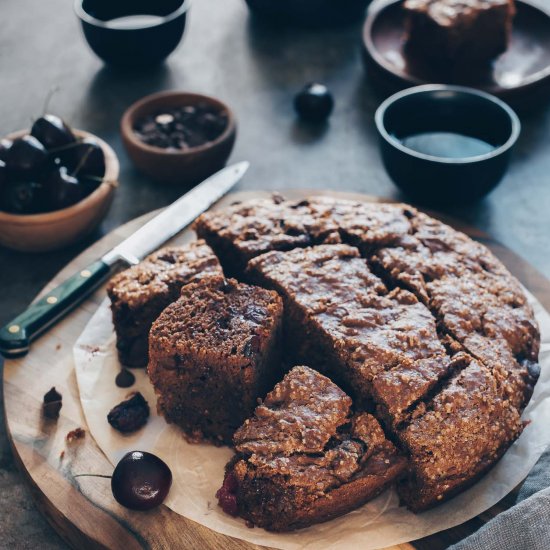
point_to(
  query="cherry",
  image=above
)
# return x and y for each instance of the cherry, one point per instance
(5, 146)
(24, 197)
(63, 190)
(52, 132)
(141, 481)
(26, 157)
(86, 158)
(314, 102)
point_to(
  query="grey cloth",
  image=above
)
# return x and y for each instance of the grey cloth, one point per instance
(525, 526)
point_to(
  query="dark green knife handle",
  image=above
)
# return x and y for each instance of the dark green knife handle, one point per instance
(16, 336)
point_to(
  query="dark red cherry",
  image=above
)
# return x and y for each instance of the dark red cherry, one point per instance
(86, 158)
(5, 146)
(141, 481)
(52, 132)
(314, 102)
(26, 157)
(63, 190)
(24, 197)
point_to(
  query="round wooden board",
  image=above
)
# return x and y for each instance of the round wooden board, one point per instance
(82, 509)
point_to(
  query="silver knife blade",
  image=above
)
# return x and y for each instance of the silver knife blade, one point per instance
(176, 216)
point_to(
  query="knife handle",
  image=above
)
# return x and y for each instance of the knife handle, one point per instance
(16, 336)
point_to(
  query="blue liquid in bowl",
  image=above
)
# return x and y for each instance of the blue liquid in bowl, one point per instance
(447, 145)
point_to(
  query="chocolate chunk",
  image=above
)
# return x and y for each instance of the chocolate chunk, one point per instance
(125, 379)
(130, 415)
(52, 404)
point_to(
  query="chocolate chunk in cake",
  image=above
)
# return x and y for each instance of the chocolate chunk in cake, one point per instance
(139, 294)
(212, 353)
(305, 458)
(458, 435)
(381, 346)
(459, 31)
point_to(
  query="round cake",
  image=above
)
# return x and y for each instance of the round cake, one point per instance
(423, 328)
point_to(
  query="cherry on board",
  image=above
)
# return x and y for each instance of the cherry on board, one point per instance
(141, 481)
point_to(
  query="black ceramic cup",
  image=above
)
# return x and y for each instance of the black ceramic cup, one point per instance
(309, 13)
(132, 33)
(446, 144)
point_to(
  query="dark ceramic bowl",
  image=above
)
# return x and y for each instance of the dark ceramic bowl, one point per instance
(475, 130)
(132, 33)
(185, 167)
(309, 13)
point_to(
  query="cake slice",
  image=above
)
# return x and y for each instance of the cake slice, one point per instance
(459, 31)
(139, 294)
(213, 353)
(305, 457)
(460, 434)
(382, 346)
(247, 229)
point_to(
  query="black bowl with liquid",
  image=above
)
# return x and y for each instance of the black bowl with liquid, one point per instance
(132, 33)
(309, 13)
(446, 144)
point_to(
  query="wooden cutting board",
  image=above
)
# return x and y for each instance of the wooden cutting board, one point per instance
(82, 509)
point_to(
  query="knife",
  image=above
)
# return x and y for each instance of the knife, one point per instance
(16, 336)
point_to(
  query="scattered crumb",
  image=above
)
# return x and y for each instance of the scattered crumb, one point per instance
(61, 455)
(58, 347)
(73, 435)
(51, 404)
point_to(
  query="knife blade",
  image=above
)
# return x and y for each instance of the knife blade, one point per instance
(17, 335)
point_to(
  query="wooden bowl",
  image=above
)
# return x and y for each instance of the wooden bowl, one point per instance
(53, 230)
(186, 167)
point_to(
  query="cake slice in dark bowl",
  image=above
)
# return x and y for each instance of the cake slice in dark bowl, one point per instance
(305, 457)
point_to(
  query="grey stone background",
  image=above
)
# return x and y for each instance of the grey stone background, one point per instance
(256, 70)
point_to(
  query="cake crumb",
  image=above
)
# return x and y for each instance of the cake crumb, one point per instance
(73, 435)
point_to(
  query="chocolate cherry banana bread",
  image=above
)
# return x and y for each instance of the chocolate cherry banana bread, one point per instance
(139, 294)
(459, 31)
(213, 353)
(305, 457)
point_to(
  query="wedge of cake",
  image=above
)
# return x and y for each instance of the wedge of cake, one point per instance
(213, 353)
(247, 229)
(139, 294)
(382, 346)
(459, 31)
(305, 457)
(457, 436)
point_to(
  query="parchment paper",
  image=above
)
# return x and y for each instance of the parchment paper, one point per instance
(198, 469)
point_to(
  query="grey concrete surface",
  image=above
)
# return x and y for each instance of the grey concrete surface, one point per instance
(256, 70)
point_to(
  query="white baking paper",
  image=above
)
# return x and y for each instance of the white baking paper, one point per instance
(198, 469)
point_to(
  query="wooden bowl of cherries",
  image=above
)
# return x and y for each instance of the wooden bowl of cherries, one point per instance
(56, 185)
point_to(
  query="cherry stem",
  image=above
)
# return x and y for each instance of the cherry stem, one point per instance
(65, 147)
(93, 475)
(83, 160)
(49, 95)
